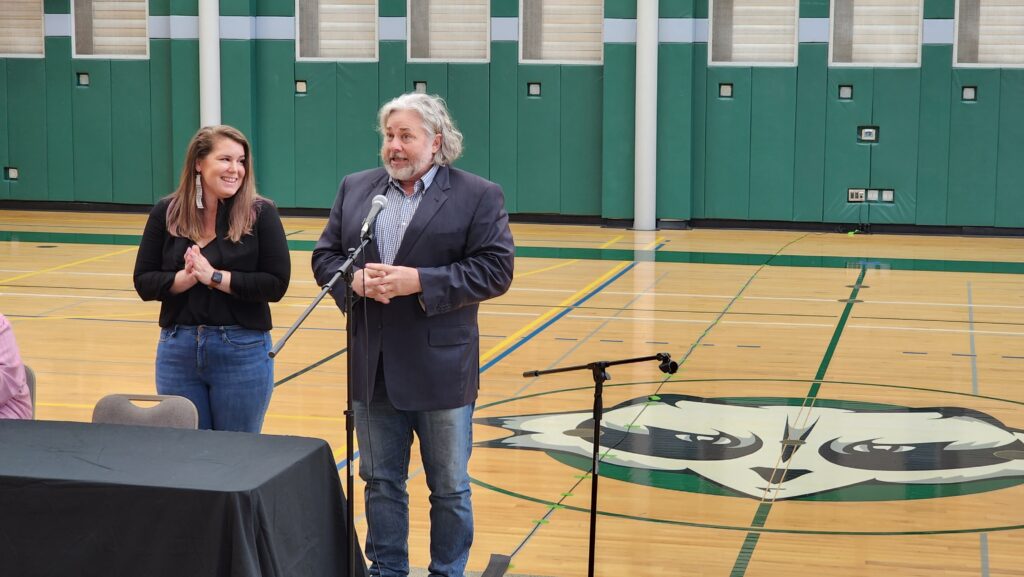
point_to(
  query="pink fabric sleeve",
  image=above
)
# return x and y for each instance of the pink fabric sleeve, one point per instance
(15, 400)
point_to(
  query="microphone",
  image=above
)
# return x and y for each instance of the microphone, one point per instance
(379, 202)
(667, 365)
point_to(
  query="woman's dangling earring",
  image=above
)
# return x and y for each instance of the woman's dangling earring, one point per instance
(199, 191)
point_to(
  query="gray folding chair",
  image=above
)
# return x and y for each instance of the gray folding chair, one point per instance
(30, 378)
(169, 411)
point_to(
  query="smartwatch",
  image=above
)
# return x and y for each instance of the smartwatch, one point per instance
(216, 277)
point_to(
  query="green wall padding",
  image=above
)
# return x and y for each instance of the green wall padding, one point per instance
(504, 120)
(941, 9)
(847, 162)
(675, 131)
(675, 8)
(165, 173)
(538, 176)
(236, 8)
(60, 151)
(783, 148)
(391, 71)
(895, 109)
(620, 8)
(62, 6)
(814, 8)
(130, 131)
(434, 74)
(94, 177)
(275, 113)
(358, 139)
(700, 9)
(700, 82)
(809, 143)
(274, 7)
(618, 122)
(1010, 168)
(392, 8)
(5, 133)
(772, 143)
(26, 116)
(188, 7)
(933, 135)
(184, 102)
(580, 125)
(504, 9)
(237, 67)
(973, 148)
(727, 192)
(469, 104)
(316, 135)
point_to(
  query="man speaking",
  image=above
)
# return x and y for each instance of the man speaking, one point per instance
(442, 245)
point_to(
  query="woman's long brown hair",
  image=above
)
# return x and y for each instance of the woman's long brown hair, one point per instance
(183, 218)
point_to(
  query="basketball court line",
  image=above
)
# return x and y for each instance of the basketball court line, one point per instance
(764, 507)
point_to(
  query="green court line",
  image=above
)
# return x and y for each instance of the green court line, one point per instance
(748, 529)
(305, 370)
(668, 256)
(761, 516)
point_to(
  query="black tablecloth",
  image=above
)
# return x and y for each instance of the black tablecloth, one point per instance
(80, 499)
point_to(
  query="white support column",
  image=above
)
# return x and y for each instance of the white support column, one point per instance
(646, 137)
(209, 62)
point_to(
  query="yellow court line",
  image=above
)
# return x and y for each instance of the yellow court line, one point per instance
(507, 341)
(65, 405)
(612, 241)
(657, 240)
(546, 269)
(566, 263)
(86, 317)
(70, 264)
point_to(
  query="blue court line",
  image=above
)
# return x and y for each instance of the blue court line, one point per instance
(343, 462)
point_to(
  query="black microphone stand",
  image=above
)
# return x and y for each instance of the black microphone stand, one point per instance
(600, 375)
(345, 270)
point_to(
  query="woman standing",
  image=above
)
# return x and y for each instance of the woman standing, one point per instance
(215, 254)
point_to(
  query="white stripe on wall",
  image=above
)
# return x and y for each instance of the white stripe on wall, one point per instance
(504, 29)
(392, 27)
(938, 32)
(619, 31)
(814, 30)
(57, 24)
(616, 30)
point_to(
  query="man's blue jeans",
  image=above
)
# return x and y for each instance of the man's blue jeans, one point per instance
(446, 441)
(225, 371)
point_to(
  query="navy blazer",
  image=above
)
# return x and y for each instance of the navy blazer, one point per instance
(460, 242)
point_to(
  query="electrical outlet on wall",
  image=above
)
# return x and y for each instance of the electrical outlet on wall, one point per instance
(855, 195)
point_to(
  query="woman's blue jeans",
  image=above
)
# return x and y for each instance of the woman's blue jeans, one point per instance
(446, 441)
(225, 371)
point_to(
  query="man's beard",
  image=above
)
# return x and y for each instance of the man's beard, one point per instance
(406, 172)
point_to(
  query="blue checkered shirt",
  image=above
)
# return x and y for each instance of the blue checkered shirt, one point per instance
(393, 221)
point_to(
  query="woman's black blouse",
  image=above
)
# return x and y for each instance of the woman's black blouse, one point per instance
(259, 264)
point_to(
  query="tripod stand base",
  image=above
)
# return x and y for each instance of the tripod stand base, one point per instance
(497, 566)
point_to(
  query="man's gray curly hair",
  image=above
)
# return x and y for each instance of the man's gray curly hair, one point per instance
(436, 120)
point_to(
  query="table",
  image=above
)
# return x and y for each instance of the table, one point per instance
(109, 500)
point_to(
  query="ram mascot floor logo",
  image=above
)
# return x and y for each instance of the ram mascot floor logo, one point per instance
(772, 448)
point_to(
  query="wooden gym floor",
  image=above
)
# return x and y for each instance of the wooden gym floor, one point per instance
(845, 404)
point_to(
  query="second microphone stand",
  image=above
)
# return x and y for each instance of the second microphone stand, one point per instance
(344, 271)
(600, 374)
